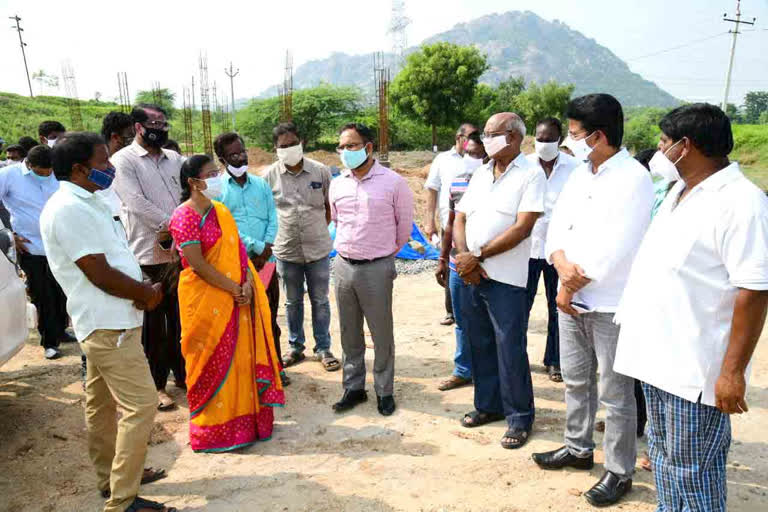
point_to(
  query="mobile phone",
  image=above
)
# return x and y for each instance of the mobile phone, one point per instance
(166, 244)
(581, 307)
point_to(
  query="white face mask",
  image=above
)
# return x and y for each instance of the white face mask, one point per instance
(237, 171)
(471, 164)
(579, 148)
(663, 167)
(50, 142)
(495, 145)
(290, 156)
(213, 187)
(547, 151)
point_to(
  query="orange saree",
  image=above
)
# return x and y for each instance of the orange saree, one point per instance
(233, 378)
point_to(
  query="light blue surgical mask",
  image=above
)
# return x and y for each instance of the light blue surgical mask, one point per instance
(41, 178)
(352, 159)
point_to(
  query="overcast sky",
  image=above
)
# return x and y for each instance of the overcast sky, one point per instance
(160, 40)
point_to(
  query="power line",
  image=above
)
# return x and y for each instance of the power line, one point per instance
(735, 33)
(23, 53)
(678, 47)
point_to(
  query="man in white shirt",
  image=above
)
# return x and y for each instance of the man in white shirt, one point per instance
(558, 167)
(444, 167)
(492, 236)
(90, 258)
(595, 231)
(694, 307)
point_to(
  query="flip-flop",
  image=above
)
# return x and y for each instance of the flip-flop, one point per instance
(555, 375)
(328, 360)
(294, 357)
(479, 418)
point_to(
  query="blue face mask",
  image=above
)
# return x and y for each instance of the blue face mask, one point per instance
(102, 178)
(41, 178)
(354, 159)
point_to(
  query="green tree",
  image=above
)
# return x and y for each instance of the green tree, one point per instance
(734, 113)
(162, 97)
(482, 106)
(437, 83)
(755, 103)
(641, 127)
(507, 93)
(540, 101)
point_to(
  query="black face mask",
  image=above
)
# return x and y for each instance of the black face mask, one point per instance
(154, 137)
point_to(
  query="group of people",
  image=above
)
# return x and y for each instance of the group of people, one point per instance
(655, 282)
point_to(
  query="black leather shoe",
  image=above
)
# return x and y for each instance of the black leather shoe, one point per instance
(67, 338)
(608, 490)
(386, 404)
(562, 458)
(351, 398)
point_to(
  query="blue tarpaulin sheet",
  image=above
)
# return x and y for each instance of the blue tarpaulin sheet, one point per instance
(417, 247)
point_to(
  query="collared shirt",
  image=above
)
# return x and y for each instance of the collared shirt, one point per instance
(491, 206)
(253, 208)
(300, 200)
(599, 221)
(444, 168)
(24, 194)
(458, 188)
(677, 309)
(149, 191)
(373, 215)
(564, 166)
(76, 223)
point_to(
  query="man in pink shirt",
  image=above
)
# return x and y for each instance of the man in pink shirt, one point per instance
(373, 210)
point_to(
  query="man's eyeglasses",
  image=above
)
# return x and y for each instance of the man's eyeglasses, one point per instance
(157, 124)
(352, 146)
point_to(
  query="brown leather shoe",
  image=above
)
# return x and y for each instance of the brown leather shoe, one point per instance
(453, 382)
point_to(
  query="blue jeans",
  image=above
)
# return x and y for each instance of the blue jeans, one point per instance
(317, 274)
(536, 267)
(494, 316)
(462, 359)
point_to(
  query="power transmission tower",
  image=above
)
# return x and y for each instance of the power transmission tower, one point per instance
(738, 21)
(205, 105)
(125, 96)
(286, 91)
(188, 136)
(70, 88)
(232, 73)
(23, 53)
(398, 26)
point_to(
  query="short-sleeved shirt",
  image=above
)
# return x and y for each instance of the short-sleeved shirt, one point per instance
(300, 200)
(444, 168)
(76, 223)
(24, 194)
(677, 309)
(491, 206)
(149, 190)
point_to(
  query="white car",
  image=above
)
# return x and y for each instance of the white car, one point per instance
(13, 300)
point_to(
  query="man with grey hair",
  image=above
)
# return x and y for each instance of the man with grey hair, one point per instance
(444, 168)
(492, 236)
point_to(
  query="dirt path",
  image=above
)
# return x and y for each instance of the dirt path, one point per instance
(418, 459)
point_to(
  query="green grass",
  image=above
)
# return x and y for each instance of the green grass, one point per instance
(751, 151)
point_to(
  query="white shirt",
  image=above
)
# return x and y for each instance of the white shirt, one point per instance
(599, 221)
(77, 223)
(564, 166)
(442, 171)
(491, 208)
(677, 309)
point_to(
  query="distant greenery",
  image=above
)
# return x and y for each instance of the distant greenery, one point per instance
(162, 97)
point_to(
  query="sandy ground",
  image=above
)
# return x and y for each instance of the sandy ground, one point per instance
(419, 459)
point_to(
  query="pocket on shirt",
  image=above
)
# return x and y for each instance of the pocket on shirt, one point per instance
(316, 197)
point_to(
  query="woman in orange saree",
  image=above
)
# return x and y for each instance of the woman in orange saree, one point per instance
(226, 336)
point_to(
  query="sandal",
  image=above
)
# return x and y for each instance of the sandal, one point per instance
(515, 438)
(476, 419)
(150, 475)
(453, 382)
(448, 320)
(555, 375)
(140, 504)
(295, 357)
(164, 401)
(329, 362)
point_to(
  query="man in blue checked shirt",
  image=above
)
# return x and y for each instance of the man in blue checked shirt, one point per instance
(250, 200)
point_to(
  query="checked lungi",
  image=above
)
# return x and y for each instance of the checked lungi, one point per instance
(689, 445)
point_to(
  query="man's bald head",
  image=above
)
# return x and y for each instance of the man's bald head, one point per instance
(510, 126)
(505, 121)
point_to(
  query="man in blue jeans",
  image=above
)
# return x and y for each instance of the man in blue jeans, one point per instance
(492, 235)
(474, 157)
(300, 189)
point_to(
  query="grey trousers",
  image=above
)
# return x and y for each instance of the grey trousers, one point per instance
(588, 345)
(365, 291)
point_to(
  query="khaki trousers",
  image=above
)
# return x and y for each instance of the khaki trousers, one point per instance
(118, 374)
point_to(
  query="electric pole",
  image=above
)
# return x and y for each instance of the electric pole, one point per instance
(232, 73)
(23, 53)
(738, 21)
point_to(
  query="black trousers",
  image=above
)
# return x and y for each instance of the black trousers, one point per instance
(448, 301)
(161, 335)
(642, 413)
(273, 296)
(48, 298)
